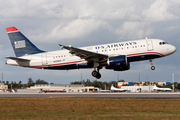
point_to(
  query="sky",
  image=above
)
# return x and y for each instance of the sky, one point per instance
(81, 23)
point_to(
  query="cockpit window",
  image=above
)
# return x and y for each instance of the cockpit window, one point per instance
(162, 43)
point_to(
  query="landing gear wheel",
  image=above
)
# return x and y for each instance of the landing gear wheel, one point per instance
(152, 67)
(98, 76)
(94, 73)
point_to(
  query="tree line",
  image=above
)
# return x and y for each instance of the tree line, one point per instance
(19, 85)
(95, 83)
(107, 85)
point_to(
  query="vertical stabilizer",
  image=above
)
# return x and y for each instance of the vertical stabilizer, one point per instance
(21, 45)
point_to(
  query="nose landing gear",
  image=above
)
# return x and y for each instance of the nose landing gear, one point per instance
(151, 63)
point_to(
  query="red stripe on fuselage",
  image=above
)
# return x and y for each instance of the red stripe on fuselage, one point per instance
(11, 29)
(67, 63)
(57, 64)
(146, 53)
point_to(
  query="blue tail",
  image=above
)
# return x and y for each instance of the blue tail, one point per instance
(21, 45)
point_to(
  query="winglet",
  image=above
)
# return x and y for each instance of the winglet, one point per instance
(11, 29)
(61, 46)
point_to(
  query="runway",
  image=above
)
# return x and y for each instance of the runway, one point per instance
(93, 95)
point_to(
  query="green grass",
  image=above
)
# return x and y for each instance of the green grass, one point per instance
(89, 109)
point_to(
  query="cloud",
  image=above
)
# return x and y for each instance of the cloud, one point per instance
(134, 30)
(159, 11)
(75, 29)
(90, 22)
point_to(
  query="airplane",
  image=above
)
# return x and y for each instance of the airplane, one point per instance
(161, 89)
(112, 56)
(118, 89)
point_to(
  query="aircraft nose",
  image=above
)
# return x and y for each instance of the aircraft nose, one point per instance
(170, 50)
(173, 48)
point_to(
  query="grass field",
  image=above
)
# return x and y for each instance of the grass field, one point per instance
(89, 109)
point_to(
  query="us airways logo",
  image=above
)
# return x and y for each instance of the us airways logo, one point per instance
(116, 45)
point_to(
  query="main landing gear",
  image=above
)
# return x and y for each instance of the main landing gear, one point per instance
(151, 63)
(96, 73)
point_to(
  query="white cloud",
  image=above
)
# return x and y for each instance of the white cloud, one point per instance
(76, 28)
(80, 20)
(75, 19)
(134, 30)
(170, 28)
(159, 11)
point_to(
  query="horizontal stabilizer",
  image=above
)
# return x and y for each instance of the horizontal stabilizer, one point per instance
(18, 59)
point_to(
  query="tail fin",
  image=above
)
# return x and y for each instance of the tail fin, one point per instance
(112, 87)
(21, 45)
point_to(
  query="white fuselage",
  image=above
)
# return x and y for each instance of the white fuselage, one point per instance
(161, 89)
(135, 50)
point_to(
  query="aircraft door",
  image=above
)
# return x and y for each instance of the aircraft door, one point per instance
(44, 59)
(149, 45)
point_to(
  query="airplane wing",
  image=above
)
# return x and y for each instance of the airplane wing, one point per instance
(87, 55)
(18, 59)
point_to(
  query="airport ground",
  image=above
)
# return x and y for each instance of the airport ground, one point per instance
(74, 108)
(159, 95)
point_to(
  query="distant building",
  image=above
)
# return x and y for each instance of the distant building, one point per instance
(3, 87)
(161, 83)
(119, 84)
(168, 83)
(122, 83)
(63, 88)
(151, 88)
(139, 88)
(1, 83)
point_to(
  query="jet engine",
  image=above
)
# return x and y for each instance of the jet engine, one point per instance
(118, 63)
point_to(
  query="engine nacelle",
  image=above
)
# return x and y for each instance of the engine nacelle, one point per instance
(118, 63)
